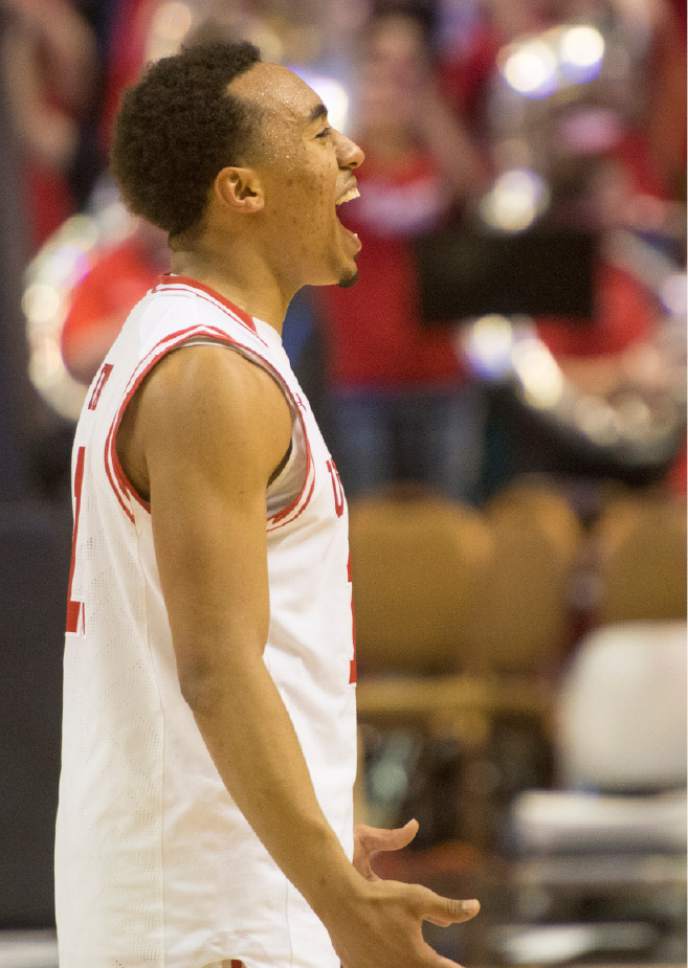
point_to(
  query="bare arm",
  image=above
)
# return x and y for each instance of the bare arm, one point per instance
(213, 428)
(446, 138)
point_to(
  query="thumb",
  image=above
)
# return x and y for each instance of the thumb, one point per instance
(375, 839)
(444, 911)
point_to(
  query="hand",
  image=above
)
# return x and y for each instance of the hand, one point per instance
(369, 841)
(380, 925)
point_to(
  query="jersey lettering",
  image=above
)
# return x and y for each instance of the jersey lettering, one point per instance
(337, 488)
(353, 670)
(99, 386)
(75, 610)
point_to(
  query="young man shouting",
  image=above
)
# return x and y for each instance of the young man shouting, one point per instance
(209, 743)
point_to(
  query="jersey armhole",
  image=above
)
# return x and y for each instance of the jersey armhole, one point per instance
(199, 336)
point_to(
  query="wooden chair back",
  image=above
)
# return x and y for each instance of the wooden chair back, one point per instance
(418, 564)
(641, 552)
(521, 623)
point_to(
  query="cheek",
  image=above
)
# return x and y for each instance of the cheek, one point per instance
(303, 199)
(316, 202)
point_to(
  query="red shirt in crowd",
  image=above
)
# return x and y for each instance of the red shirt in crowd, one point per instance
(375, 335)
(624, 314)
(103, 298)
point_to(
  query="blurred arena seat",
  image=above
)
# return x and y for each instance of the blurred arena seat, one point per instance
(622, 708)
(418, 564)
(641, 551)
(612, 841)
(419, 567)
(522, 611)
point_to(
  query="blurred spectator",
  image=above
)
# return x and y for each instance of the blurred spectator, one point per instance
(468, 64)
(618, 356)
(402, 405)
(130, 39)
(606, 166)
(654, 140)
(102, 300)
(665, 112)
(142, 31)
(594, 352)
(49, 62)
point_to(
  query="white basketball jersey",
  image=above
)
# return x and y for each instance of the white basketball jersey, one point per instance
(155, 864)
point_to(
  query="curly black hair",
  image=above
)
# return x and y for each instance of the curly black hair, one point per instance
(177, 127)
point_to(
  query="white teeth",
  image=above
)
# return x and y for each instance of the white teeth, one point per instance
(348, 196)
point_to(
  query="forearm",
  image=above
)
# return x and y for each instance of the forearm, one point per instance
(252, 741)
(451, 146)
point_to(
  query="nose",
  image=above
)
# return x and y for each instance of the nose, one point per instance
(349, 155)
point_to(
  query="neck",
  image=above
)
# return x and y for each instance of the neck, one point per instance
(243, 277)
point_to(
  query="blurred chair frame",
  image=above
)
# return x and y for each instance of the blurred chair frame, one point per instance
(640, 543)
(429, 590)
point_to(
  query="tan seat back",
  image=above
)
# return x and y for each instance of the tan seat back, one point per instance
(521, 623)
(641, 550)
(532, 499)
(417, 565)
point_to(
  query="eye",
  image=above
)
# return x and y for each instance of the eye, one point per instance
(325, 133)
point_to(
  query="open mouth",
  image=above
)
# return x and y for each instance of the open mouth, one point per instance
(349, 195)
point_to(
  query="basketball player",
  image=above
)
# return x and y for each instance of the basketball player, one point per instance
(205, 813)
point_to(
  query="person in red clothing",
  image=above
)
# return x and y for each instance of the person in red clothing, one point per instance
(402, 405)
(654, 139)
(48, 59)
(119, 277)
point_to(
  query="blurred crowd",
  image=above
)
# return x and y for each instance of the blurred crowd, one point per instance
(519, 315)
(482, 121)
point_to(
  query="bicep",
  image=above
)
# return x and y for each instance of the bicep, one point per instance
(212, 449)
(212, 559)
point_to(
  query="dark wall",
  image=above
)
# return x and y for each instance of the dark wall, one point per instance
(34, 558)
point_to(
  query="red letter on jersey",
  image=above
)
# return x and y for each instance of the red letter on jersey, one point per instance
(75, 610)
(99, 385)
(337, 488)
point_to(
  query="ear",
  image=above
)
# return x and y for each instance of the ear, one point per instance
(239, 190)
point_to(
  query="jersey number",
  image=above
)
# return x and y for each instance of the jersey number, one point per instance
(76, 612)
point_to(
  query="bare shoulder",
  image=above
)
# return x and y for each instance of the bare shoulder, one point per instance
(209, 408)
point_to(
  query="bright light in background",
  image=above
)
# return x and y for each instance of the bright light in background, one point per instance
(581, 52)
(332, 93)
(673, 293)
(50, 279)
(488, 344)
(539, 373)
(41, 303)
(582, 46)
(538, 66)
(530, 68)
(515, 200)
(597, 420)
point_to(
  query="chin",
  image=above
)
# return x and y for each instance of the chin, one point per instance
(348, 278)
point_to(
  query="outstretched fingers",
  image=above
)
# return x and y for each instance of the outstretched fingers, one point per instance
(369, 841)
(444, 911)
(375, 839)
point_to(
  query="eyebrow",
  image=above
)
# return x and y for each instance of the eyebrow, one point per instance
(319, 111)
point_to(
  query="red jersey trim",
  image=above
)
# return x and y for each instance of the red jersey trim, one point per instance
(120, 493)
(122, 486)
(174, 283)
(119, 481)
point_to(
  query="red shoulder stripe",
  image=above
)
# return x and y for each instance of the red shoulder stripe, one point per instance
(117, 477)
